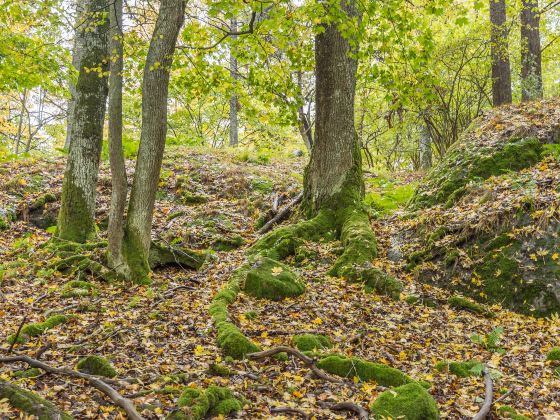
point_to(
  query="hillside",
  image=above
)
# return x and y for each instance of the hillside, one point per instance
(161, 338)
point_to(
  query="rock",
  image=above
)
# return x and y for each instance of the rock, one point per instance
(298, 153)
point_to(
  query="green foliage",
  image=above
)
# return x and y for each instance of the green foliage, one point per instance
(407, 402)
(96, 365)
(490, 341)
(310, 342)
(387, 195)
(553, 354)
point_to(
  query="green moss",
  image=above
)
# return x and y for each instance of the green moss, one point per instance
(217, 369)
(162, 255)
(461, 369)
(262, 185)
(407, 402)
(233, 342)
(554, 354)
(27, 373)
(459, 302)
(215, 400)
(511, 413)
(499, 241)
(77, 288)
(75, 218)
(251, 315)
(416, 258)
(421, 300)
(30, 403)
(309, 342)
(271, 279)
(223, 243)
(96, 365)
(135, 256)
(366, 371)
(175, 215)
(451, 257)
(436, 235)
(42, 200)
(388, 196)
(37, 328)
(189, 198)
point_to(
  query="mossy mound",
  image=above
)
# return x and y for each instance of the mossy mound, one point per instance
(78, 288)
(350, 367)
(227, 243)
(271, 279)
(461, 369)
(27, 373)
(188, 197)
(7, 216)
(196, 403)
(30, 403)
(162, 255)
(311, 342)
(459, 302)
(510, 413)
(96, 365)
(217, 369)
(37, 328)
(553, 354)
(406, 402)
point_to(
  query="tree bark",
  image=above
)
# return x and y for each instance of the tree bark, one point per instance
(425, 148)
(233, 122)
(501, 72)
(136, 244)
(116, 157)
(76, 217)
(304, 124)
(76, 56)
(531, 71)
(333, 177)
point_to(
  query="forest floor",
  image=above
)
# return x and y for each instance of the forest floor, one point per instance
(154, 332)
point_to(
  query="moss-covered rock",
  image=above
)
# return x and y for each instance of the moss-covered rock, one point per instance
(41, 201)
(406, 402)
(271, 279)
(461, 369)
(37, 328)
(161, 255)
(31, 403)
(217, 369)
(96, 365)
(233, 342)
(350, 367)
(78, 288)
(553, 354)
(310, 342)
(196, 403)
(227, 243)
(459, 302)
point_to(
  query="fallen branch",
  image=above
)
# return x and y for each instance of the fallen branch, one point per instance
(282, 214)
(488, 395)
(349, 406)
(124, 403)
(16, 336)
(308, 361)
(256, 333)
(289, 410)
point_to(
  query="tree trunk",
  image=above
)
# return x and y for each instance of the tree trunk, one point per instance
(501, 72)
(116, 157)
(333, 177)
(76, 56)
(20, 122)
(425, 148)
(136, 244)
(76, 217)
(531, 72)
(304, 124)
(233, 123)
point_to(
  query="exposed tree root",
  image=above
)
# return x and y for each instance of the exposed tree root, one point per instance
(349, 406)
(308, 361)
(281, 215)
(488, 396)
(31, 403)
(96, 382)
(290, 410)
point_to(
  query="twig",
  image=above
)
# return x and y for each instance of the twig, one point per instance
(349, 406)
(488, 395)
(14, 341)
(504, 396)
(289, 410)
(124, 403)
(282, 214)
(42, 350)
(255, 333)
(308, 361)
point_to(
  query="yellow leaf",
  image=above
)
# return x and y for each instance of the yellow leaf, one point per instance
(276, 271)
(297, 394)
(356, 379)
(198, 350)
(555, 256)
(317, 321)
(402, 355)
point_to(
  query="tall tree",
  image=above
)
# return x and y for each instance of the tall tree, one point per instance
(333, 177)
(116, 156)
(501, 72)
(76, 217)
(155, 86)
(233, 101)
(531, 72)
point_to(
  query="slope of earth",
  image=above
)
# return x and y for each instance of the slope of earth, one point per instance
(160, 338)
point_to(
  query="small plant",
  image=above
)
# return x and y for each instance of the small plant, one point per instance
(490, 341)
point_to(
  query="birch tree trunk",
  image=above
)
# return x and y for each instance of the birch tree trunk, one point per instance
(425, 148)
(501, 72)
(531, 68)
(233, 122)
(76, 217)
(116, 157)
(155, 85)
(333, 177)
